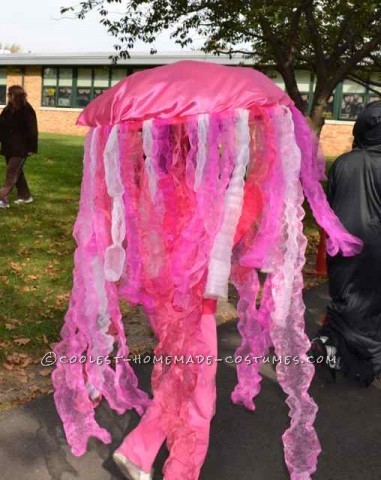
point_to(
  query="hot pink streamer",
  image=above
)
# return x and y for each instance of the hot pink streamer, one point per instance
(312, 172)
(252, 252)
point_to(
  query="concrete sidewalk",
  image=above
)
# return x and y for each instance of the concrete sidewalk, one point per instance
(243, 445)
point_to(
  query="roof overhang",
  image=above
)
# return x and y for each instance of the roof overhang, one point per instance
(104, 58)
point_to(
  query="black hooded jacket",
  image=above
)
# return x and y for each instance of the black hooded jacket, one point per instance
(354, 192)
(354, 181)
(18, 131)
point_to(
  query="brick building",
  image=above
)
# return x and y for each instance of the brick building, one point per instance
(60, 85)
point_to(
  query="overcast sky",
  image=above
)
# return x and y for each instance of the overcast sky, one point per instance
(36, 25)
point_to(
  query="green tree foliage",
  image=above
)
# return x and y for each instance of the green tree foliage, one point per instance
(335, 39)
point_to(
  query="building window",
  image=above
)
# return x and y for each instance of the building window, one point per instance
(65, 87)
(83, 91)
(351, 106)
(373, 97)
(117, 74)
(3, 86)
(303, 79)
(101, 80)
(352, 100)
(49, 87)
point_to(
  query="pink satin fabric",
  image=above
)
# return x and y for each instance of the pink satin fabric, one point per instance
(180, 90)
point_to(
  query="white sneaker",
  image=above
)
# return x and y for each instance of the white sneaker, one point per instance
(20, 201)
(131, 471)
(4, 204)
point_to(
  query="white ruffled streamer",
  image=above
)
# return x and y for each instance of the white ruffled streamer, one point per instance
(101, 340)
(115, 254)
(202, 152)
(220, 260)
(291, 171)
(147, 148)
(287, 328)
(93, 164)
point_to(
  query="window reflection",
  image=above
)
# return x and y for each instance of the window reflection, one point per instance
(352, 105)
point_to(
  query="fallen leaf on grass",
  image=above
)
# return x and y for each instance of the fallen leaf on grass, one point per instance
(9, 326)
(19, 359)
(8, 367)
(16, 267)
(15, 321)
(21, 341)
(45, 372)
(27, 362)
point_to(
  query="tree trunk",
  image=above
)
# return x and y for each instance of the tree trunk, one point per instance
(316, 117)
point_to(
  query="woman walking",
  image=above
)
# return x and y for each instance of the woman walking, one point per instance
(351, 335)
(19, 140)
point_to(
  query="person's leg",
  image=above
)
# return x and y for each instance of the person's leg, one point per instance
(14, 165)
(202, 405)
(23, 192)
(142, 445)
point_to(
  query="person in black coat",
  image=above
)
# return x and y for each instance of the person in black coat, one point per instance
(19, 140)
(351, 335)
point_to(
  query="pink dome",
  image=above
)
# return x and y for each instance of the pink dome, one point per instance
(181, 89)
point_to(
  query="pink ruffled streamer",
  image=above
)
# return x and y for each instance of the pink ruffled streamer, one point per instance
(311, 172)
(281, 297)
(258, 252)
(93, 313)
(254, 251)
(301, 444)
(131, 153)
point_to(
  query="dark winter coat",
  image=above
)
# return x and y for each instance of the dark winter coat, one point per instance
(18, 131)
(354, 312)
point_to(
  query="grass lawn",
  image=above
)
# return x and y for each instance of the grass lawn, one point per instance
(37, 248)
(36, 258)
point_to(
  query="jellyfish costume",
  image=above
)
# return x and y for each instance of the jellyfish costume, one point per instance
(194, 176)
